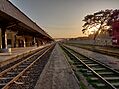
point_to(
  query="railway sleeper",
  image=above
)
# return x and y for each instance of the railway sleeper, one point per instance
(83, 69)
(22, 66)
(2, 84)
(18, 83)
(102, 84)
(18, 69)
(13, 72)
(83, 59)
(89, 62)
(98, 69)
(24, 76)
(91, 65)
(76, 63)
(6, 78)
(86, 72)
(79, 66)
(89, 74)
(107, 78)
(10, 75)
(26, 63)
(105, 73)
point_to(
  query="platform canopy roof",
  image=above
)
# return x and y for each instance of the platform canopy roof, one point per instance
(11, 16)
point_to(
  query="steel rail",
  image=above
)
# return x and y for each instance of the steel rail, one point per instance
(3, 72)
(102, 51)
(28, 60)
(108, 83)
(21, 73)
(96, 61)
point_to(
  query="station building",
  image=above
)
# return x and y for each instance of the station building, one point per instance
(12, 40)
(18, 30)
(115, 33)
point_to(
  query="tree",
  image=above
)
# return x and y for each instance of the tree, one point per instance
(100, 20)
(114, 17)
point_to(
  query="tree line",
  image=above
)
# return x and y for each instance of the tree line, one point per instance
(102, 20)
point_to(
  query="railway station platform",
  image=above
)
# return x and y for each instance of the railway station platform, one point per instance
(57, 73)
(6, 58)
(108, 60)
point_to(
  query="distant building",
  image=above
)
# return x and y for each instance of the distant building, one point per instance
(115, 33)
(104, 37)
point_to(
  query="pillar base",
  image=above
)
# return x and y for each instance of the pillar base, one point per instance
(5, 50)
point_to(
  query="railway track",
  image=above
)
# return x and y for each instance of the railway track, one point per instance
(22, 57)
(98, 50)
(24, 74)
(97, 74)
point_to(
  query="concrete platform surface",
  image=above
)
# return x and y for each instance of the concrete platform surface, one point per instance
(57, 73)
(108, 60)
(16, 52)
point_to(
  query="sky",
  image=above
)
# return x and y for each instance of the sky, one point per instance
(62, 18)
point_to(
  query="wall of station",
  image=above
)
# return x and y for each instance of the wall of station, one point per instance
(12, 40)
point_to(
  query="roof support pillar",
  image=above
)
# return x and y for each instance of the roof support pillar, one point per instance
(15, 39)
(34, 41)
(4, 38)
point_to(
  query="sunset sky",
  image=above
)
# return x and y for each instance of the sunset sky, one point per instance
(62, 18)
